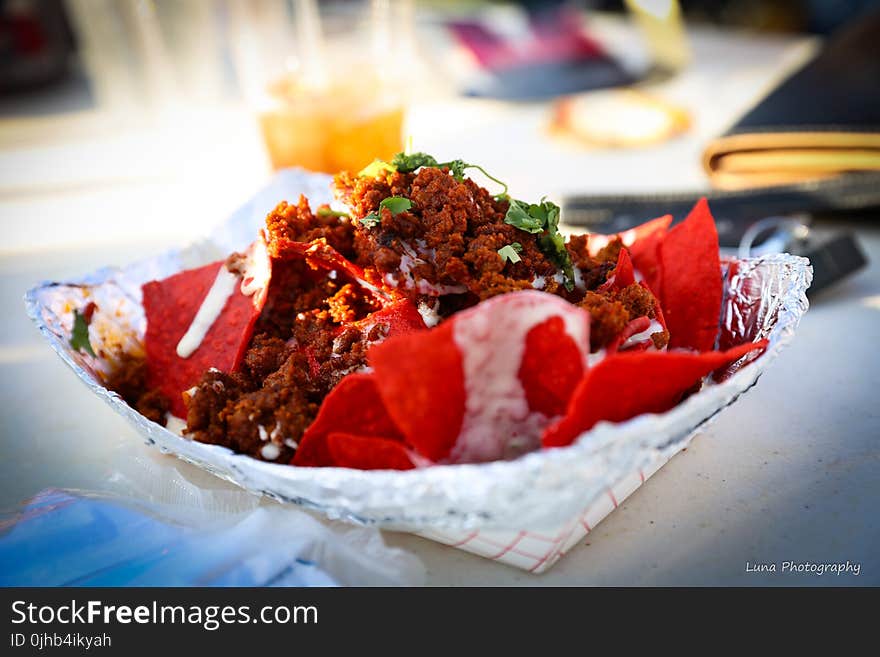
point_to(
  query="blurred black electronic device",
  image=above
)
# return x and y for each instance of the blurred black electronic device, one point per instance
(833, 256)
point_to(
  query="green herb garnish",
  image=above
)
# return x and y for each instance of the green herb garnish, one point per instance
(540, 219)
(327, 212)
(410, 162)
(79, 337)
(457, 169)
(543, 218)
(370, 220)
(511, 252)
(522, 215)
(394, 204)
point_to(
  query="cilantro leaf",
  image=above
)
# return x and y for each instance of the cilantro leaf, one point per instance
(396, 204)
(407, 163)
(370, 220)
(511, 252)
(410, 162)
(519, 215)
(543, 218)
(490, 177)
(79, 337)
(456, 168)
(553, 246)
(551, 211)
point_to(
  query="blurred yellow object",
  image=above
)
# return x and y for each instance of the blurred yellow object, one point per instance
(663, 28)
(619, 119)
(342, 127)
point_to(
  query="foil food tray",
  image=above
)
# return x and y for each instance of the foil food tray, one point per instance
(538, 493)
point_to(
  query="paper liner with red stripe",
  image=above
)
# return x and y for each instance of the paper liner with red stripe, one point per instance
(536, 549)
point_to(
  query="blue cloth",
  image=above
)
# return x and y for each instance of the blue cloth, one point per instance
(62, 538)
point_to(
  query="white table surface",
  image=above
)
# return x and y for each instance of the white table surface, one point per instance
(790, 472)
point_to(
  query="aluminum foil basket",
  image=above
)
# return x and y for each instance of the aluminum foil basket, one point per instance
(525, 512)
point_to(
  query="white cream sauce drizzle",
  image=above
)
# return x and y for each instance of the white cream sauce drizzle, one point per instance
(257, 274)
(411, 259)
(497, 421)
(429, 313)
(255, 281)
(224, 285)
(174, 424)
(655, 327)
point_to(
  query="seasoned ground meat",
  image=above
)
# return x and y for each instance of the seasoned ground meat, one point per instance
(129, 380)
(154, 406)
(447, 242)
(611, 311)
(441, 252)
(608, 317)
(300, 351)
(297, 223)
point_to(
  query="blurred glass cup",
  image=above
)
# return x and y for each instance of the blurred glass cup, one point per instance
(324, 82)
(344, 125)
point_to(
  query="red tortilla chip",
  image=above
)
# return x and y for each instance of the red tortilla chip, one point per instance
(458, 392)
(634, 327)
(551, 368)
(421, 381)
(368, 453)
(658, 310)
(653, 228)
(623, 272)
(627, 384)
(630, 237)
(639, 325)
(319, 255)
(645, 250)
(397, 318)
(691, 285)
(353, 406)
(170, 306)
(623, 275)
